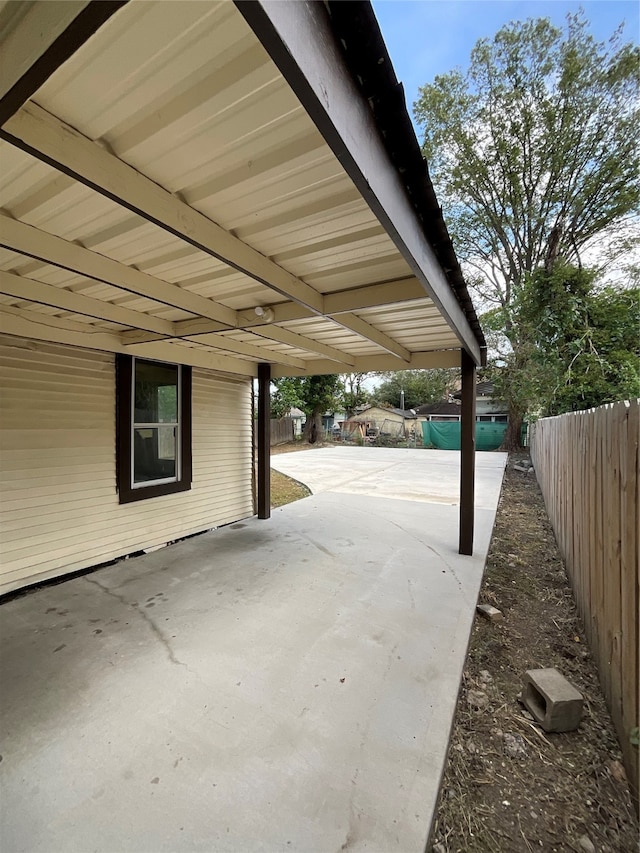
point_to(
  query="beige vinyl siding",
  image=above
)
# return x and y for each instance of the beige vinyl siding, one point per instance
(59, 507)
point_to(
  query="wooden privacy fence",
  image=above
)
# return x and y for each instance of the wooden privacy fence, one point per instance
(587, 468)
(282, 430)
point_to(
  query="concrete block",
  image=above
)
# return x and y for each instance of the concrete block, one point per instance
(552, 700)
(489, 612)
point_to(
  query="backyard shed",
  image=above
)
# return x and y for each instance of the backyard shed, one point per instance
(192, 195)
(394, 422)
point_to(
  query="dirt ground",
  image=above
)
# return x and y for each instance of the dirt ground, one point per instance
(508, 786)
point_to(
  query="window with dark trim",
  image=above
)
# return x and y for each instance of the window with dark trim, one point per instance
(153, 419)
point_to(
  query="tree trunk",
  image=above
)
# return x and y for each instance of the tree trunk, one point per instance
(313, 428)
(513, 436)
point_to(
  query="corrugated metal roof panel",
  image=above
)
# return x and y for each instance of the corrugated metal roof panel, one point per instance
(186, 95)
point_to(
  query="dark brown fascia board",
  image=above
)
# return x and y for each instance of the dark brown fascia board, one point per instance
(368, 60)
(301, 42)
(86, 23)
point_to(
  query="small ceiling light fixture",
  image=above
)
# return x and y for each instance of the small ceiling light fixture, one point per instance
(265, 314)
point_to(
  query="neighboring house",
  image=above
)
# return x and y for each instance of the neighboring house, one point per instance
(186, 189)
(332, 420)
(489, 408)
(299, 419)
(441, 411)
(382, 421)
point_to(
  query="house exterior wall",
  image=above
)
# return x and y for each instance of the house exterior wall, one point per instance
(444, 418)
(489, 406)
(376, 417)
(60, 510)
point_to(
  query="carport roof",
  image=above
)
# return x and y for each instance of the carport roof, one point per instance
(220, 184)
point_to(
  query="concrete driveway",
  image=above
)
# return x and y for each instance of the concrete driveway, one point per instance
(395, 473)
(282, 685)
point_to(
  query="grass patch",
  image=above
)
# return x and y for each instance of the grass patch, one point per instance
(285, 490)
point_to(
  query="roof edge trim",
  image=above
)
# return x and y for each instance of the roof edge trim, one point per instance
(300, 38)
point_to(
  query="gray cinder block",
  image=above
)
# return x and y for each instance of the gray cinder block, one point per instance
(552, 700)
(489, 612)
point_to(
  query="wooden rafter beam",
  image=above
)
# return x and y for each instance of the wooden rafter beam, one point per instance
(30, 241)
(343, 302)
(373, 296)
(370, 333)
(30, 324)
(260, 353)
(66, 149)
(366, 363)
(284, 336)
(47, 138)
(220, 342)
(30, 290)
(335, 304)
(38, 38)
(48, 248)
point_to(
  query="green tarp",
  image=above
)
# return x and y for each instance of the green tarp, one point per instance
(445, 435)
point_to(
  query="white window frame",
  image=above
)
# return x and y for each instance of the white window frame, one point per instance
(134, 426)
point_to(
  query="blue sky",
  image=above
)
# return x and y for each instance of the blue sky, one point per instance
(429, 37)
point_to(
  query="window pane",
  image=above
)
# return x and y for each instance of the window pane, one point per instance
(156, 393)
(154, 453)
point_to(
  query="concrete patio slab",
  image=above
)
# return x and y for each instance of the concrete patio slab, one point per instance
(286, 685)
(399, 473)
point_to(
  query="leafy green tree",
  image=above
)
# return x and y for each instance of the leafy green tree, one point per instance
(419, 386)
(533, 153)
(284, 396)
(315, 395)
(584, 342)
(318, 394)
(354, 394)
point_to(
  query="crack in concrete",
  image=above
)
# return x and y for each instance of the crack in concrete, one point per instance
(413, 601)
(319, 546)
(352, 832)
(434, 551)
(450, 567)
(146, 618)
